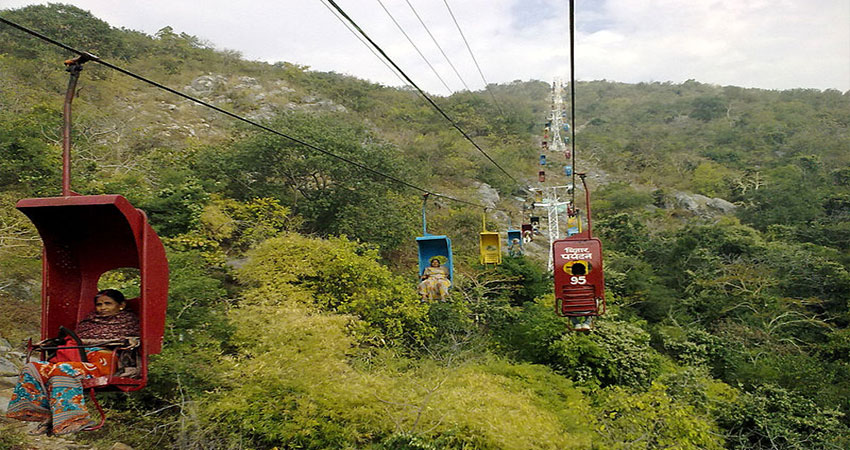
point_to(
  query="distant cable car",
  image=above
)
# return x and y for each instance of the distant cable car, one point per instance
(541, 176)
(431, 246)
(579, 280)
(527, 233)
(545, 135)
(568, 154)
(566, 127)
(535, 224)
(490, 245)
(573, 225)
(85, 236)
(566, 139)
(538, 195)
(514, 234)
(568, 170)
(542, 160)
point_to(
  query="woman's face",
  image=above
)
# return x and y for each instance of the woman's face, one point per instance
(435, 263)
(105, 305)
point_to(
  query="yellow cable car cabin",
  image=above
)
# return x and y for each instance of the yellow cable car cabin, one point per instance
(490, 245)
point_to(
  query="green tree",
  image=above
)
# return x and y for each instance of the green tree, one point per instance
(710, 179)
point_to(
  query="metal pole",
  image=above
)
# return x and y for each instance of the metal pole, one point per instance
(587, 204)
(74, 67)
(424, 223)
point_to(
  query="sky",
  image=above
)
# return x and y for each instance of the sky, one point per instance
(769, 44)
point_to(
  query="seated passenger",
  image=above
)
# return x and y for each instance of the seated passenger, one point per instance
(51, 392)
(435, 282)
(515, 249)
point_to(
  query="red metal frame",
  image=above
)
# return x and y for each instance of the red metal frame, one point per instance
(84, 237)
(583, 294)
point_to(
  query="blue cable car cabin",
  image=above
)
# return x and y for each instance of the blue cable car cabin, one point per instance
(568, 170)
(431, 246)
(514, 234)
(514, 243)
(542, 160)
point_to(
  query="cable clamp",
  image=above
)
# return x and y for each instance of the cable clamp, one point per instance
(80, 60)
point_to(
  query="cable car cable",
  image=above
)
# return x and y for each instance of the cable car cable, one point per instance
(398, 25)
(366, 44)
(573, 96)
(421, 92)
(86, 56)
(348, 27)
(437, 44)
(486, 84)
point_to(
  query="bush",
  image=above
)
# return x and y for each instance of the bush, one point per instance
(651, 419)
(341, 276)
(771, 417)
(617, 353)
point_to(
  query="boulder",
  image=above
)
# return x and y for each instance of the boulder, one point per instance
(488, 195)
(205, 84)
(8, 368)
(703, 206)
(5, 396)
(721, 205)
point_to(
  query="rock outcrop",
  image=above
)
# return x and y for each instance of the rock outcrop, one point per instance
(703, 206)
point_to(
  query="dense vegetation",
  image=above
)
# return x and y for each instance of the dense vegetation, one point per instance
(293, 320)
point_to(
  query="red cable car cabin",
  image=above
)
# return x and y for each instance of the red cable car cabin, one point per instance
(579, 283)
(84, 237)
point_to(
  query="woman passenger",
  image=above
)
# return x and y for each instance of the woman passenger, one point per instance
(51, 392)
(435, 282)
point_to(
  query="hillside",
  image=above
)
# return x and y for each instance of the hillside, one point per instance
(293, 317)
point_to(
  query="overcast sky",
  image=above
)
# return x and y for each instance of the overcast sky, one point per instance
(772, 44)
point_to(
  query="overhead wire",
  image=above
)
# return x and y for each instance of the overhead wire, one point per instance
(86, 56)
(348, 27)
(423, 93)
(400, 28)
(415, 13)
(573, 96)
(474, 60)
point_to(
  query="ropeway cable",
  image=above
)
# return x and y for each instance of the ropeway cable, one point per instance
(486, 84)
(421, 92)
(398, 25)
(86, 56)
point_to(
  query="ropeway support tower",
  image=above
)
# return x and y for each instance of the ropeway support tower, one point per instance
(555, 200)
(557, 117)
